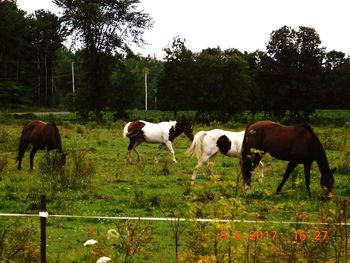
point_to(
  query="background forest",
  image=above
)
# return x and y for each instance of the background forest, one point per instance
(292, 77)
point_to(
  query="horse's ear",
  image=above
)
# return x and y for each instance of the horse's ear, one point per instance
(333, 170)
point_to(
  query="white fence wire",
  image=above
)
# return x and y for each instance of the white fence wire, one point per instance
(213, 220)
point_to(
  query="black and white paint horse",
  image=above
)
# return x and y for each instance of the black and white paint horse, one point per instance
(206, 144)
(162, 133)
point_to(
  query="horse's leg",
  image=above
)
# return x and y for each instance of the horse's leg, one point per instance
(246, 164)
(289, 170)
(132, 141)
(256, 160)
(211, 163)
(261, 176)
(22, 150)
(138, 142)
(307, 167)
(32, 153)
(170, 147)
(204, 159)
(194, 175)
(159, 152)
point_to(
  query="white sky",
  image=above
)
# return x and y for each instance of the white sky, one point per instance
(242, 24)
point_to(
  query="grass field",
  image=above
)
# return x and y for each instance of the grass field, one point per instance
(98, 181)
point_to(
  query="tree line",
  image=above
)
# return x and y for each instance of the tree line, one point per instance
(294, 75)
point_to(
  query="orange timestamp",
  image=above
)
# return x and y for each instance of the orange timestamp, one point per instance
(260, 235)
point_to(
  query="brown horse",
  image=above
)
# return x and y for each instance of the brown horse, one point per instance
(40, 135)
(296, 144)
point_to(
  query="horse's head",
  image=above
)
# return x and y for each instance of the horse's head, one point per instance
(188, 129)
(63, 158)
(327, 181)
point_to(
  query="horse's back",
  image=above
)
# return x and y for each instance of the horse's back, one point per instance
(41, 134)
(152, 132)
(133, 127)
(217, 138)
(33, 130)
(158, 132)
(281, 141)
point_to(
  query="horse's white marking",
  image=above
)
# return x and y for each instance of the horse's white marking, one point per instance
(155, 133)
(204, 146)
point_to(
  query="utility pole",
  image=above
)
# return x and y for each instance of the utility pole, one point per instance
(146, 71)
(73, 86)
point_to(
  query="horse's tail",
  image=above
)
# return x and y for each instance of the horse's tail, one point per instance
(125, 130)
(244, 151)
(22, 146)
(308, 127)
(196, 146)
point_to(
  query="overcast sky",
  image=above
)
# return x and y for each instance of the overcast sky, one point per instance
(242, 24)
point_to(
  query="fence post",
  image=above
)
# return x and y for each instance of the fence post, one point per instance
(43, 216)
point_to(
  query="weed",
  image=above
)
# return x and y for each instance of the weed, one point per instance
(18, 243)
(76, 173)
(130, 239)
(3, 166)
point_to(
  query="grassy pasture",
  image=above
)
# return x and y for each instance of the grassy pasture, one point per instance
(98, 181)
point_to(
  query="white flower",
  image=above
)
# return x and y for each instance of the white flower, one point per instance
(103, 260)
(90, 242)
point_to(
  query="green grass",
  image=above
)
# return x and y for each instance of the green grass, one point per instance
(149, 189)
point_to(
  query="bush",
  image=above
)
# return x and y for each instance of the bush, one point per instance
(3, 166)
(8, 141)
(19, 243)
(344, 166)
(77, 172)
(12, 94)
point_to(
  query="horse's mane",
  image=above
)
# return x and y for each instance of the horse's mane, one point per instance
(308, 127)
(57, 135)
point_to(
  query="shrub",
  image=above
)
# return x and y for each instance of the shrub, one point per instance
(19, 243)
(344, 166)
(8, 141)
(3, 166)
(76, 173)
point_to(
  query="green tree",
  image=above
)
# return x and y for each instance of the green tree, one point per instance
(260, 65)
(296, 71)
(336, 81)
(129, 78)
(13, 45)
(176, 82)
(308, 90)
(12, 41)
(46, 39)
(104, 28)
(223, 84)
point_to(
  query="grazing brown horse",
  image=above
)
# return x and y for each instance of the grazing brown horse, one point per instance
(296, 144)
(40, 135)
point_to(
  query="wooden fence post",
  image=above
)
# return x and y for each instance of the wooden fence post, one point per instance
(43, 216)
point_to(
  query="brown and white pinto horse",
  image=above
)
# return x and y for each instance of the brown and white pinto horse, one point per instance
(162, 133)
(41, 135)
(296, 144)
